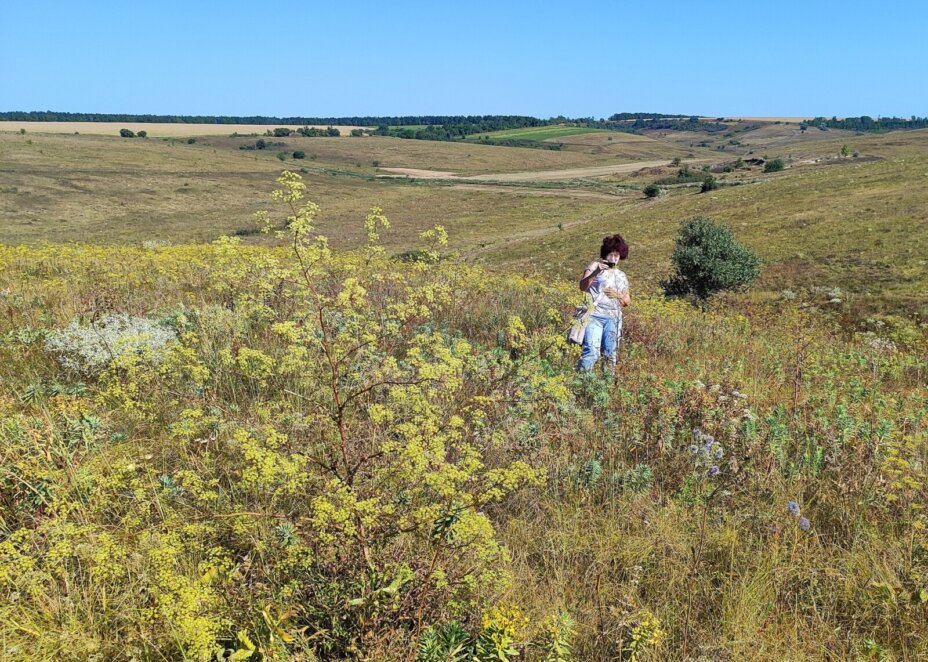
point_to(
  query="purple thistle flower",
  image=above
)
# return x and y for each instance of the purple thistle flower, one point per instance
(714, 470)
(718, 453)
(694, 449)
(804, 524)
(697, 433)
(793, 508)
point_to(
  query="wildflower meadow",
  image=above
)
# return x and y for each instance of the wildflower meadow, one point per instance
(281, 451)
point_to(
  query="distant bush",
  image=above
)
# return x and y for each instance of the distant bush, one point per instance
(126, 133)
(260, 144)
(684, 176)
(710, 183)
(88, 349)
(22, 132)
(142, 134)
(299, 154)
(774, 165)
(280, 132)
(652, 191)
(357, 133)
(191, 141)
(329, 132)
(708, 259)
(282, 156)
(676, 161)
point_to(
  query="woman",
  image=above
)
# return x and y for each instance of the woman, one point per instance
(608, 286)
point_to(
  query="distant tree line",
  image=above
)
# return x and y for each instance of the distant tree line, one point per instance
(483, 122)
(868, 124)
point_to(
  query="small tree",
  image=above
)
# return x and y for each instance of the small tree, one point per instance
(126, 133)
(299, 154)
(708, 259)
(774, 165)
(709, 184)
(652, 190)
(22, 132)
(845, 150)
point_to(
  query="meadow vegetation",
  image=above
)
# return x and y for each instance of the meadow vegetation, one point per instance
(284, 450)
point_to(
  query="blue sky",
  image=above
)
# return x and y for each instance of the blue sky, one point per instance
(534, 58)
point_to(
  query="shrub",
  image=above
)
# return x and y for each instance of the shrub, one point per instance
(652, 191)
(357, 133)
(710, 183)
(774, 165)
(260, 143)
(282, 156)
(191, 141)
(299, 154)
(281, 132)
(88, 349)
(142, 134)
(127, 133)
(707, 259)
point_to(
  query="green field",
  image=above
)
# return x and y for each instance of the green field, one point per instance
(538, 133)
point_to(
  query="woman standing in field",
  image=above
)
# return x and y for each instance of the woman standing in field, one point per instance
(608, 287)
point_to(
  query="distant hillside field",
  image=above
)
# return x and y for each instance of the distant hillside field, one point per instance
(538, 133)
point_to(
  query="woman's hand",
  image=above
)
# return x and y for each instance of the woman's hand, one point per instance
(621, 297)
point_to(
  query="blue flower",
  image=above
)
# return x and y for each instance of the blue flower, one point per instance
(694, 449)
(793, 508)
(718, 453)
(714, 470)
(697, 433)
(804, 524)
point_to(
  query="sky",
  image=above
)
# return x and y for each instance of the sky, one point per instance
(585, 59)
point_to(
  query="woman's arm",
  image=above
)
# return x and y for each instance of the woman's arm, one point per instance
(588, 276)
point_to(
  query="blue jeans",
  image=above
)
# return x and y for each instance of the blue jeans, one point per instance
(602, 336)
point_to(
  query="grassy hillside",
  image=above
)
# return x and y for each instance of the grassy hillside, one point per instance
(824, 222)
(238, 450)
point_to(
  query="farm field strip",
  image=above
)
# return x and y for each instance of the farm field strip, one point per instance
(539, 133)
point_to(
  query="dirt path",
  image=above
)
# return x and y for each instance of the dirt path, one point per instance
(529, 175)
(419, 173)
(569, 173)
(540, 192)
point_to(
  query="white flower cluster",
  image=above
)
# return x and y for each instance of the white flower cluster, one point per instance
(88, 349)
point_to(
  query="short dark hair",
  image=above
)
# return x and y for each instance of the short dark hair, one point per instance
(614, 243)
